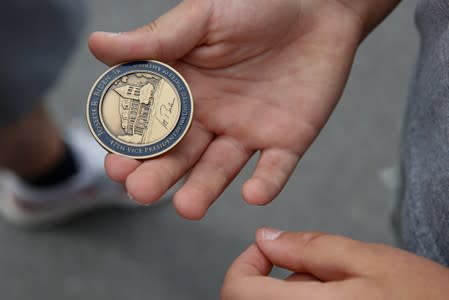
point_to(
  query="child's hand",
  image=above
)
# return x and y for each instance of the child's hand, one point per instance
(265, 76)
(330, 267)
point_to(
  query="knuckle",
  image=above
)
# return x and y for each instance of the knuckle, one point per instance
(319, 239)
(153, 29)
(203, 188)
(150, 27)
(311, 239)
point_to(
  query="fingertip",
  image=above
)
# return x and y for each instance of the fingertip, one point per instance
(266, 240)
(95, 43)
(107, 47)
(280, 247)
(187, 205)
(255, 192)
(94, 38)
(268, 234)
(118, 167)
(142, 192)
(251, 262)
(251, 250)
(255, 256)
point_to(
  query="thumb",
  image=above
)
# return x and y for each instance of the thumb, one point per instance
(326, 257)
(168, 38)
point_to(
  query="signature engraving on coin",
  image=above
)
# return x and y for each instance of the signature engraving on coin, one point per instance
(140, 109)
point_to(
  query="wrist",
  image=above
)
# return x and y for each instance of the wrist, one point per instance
(335, 25)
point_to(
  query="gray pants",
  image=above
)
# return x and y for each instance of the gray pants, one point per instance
(37, 38)
(425, 146)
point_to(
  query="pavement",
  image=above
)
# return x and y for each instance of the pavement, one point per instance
(344, 184)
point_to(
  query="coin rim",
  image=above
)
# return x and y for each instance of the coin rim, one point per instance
(181, 137)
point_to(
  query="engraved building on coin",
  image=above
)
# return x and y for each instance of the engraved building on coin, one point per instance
(140, 109)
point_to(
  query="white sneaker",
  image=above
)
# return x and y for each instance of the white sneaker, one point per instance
(89, 189)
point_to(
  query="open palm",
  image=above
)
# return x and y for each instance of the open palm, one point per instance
(265, 76)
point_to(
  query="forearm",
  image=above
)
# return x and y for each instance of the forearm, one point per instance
(371, 12)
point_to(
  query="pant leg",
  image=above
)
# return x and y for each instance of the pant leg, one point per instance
(36, 38)
(425, 140)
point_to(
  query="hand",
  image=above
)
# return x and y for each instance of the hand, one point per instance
(331, 267)
(265, 76)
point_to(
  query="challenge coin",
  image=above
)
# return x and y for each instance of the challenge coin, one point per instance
(140, 109)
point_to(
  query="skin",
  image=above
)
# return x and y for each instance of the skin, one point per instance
(331, 267)
(265, 76)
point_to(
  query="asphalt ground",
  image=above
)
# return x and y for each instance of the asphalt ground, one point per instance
(344, 184)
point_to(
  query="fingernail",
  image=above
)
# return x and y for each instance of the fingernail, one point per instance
(271, 234)
(131, 197)
(111, 34)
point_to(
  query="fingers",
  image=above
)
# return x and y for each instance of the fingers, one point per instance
(247, 279)
(118, 167)
(244, 279)
(251, 263)
(326, 257)
(149, 181)
(218, 166)
(271, 174)
(170, 37)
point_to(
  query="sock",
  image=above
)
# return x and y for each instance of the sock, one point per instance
(62, 170)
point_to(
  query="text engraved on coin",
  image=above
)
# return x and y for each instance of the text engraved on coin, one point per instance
(140, 109)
